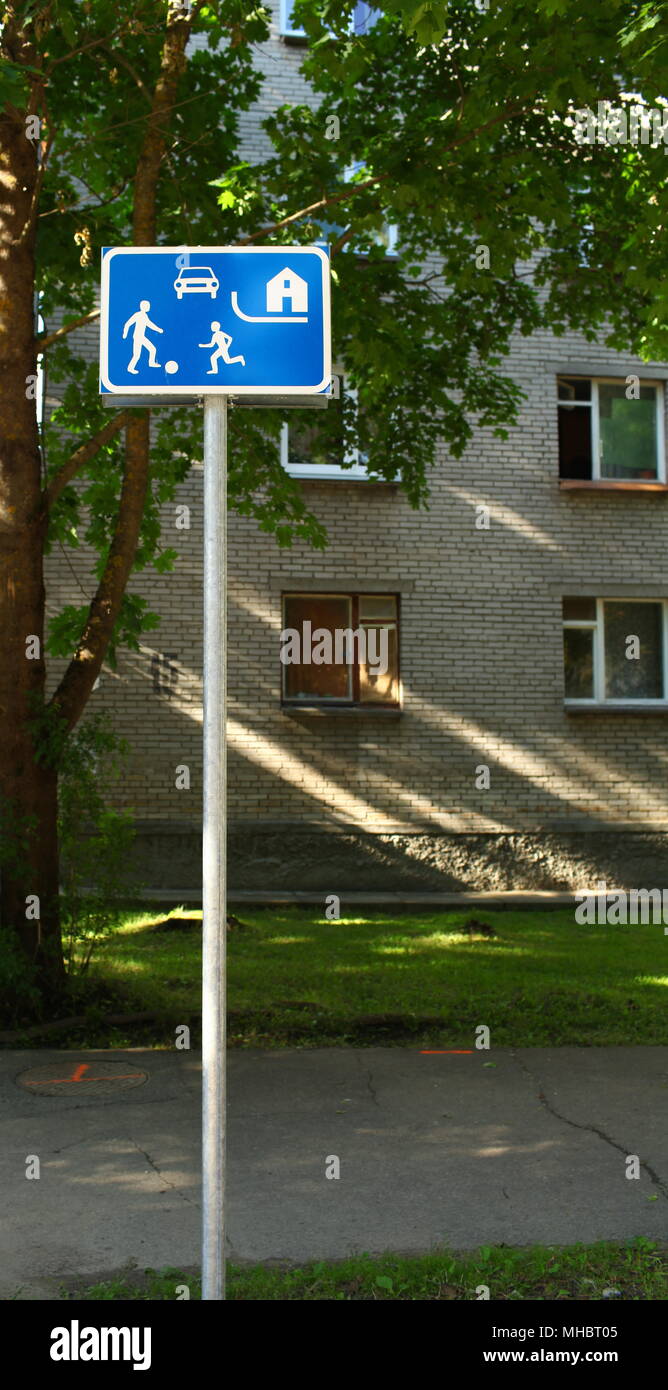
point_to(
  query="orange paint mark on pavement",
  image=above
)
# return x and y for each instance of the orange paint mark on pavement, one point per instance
(77, 1075)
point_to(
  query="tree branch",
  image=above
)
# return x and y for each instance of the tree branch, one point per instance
(120, 125)
(70, 698)
(37, 91)
(84, 48)
(506, 114)
(120, 58)
(49, 338)
(345, 236)
(85, 207)
(322, 203)
(81, 456)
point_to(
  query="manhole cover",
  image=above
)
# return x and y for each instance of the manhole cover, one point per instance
(91, 1078)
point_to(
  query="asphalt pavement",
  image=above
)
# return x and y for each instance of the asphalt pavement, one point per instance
(449, 1149)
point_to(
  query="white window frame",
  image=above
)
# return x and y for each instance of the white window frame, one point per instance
(599, 700)
(595, 428)
(329, 472)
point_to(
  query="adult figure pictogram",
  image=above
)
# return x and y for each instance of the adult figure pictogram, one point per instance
(141, 322)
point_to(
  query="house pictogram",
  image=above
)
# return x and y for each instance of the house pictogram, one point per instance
(287, 285)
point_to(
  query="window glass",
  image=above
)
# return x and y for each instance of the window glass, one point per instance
(317, 442)
(378, 686)
(579, 663)
(313, 615)
(364, 17)
(627, 432)
(627, 676)
(377, 606)
(574, 441)
(574, 388)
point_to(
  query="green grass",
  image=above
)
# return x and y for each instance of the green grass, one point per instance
(298, 979)
(636, 1270)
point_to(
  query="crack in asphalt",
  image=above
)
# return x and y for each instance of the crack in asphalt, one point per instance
(161, 1175)
(592, 1129)
(74, 1145)
(370, 1088)
(369, 1080)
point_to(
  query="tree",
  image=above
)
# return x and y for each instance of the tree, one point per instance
(454, 122)
(102, 139)
(467, 141)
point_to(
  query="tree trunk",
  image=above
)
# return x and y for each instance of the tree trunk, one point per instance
(28, 786)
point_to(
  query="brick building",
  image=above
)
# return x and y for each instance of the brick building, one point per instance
(519, 737)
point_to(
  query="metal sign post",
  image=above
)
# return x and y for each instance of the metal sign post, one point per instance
(180, 325)
(214, 926)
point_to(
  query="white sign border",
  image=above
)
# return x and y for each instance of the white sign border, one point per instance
(195, 392)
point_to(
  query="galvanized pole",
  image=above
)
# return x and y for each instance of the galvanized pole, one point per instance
(214, 849)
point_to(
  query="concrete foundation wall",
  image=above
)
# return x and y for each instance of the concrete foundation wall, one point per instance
(309, 859)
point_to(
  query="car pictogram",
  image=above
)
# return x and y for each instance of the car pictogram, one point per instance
(196, 279)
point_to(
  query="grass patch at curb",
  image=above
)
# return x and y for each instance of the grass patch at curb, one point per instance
(633, 1271)
(296, 979)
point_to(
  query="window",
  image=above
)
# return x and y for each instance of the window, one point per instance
(316, 449)
(386, 236)
(607, 434)
(614, 651)
(287, 25)
(362, 19)
(340, 649)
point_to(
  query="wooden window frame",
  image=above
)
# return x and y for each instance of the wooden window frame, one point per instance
(354, 702)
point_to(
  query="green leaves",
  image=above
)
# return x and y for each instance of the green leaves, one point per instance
(15, 82)
(95, 865)
(427, 22)
(134, 619)
(64, 18)
(65, 629)
(164, 562)
(454, 117)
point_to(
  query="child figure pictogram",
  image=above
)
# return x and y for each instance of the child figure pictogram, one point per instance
(222, 342)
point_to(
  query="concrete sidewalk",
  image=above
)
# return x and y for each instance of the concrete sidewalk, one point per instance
(502, 1146)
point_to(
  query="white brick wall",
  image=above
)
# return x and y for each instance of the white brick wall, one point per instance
(481, 636)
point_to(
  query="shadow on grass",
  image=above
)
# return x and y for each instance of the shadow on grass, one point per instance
(295, 979)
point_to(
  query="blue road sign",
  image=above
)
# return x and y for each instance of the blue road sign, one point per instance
(203, 320)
